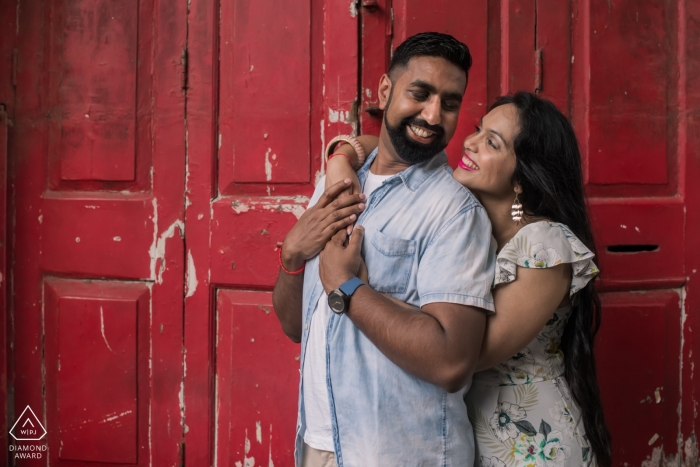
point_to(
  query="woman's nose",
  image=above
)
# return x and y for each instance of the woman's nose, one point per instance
(470, 143)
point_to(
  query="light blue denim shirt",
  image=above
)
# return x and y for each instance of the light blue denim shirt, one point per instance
(427, 239)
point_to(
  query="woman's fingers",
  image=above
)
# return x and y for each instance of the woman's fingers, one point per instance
(332, 192)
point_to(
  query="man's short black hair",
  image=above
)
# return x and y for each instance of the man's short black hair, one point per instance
(431, 44)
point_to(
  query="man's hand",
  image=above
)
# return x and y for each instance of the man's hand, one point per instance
(341, 262)
(319, 223)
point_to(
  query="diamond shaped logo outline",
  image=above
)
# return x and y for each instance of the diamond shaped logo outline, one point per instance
(20, 418)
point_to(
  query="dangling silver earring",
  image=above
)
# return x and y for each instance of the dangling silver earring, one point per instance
(516, 211)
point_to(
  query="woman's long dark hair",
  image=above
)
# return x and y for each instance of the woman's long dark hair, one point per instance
(548, 168)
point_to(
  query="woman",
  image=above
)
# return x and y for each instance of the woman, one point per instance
(535, 399)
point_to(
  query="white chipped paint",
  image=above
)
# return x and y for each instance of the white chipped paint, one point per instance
(656, 458)
(117, 239)
(157, 249)
(258, 432)
(292, 204)
(188, 203)
(115, 416)
(623, 226)
(77, 239)
(247, 461)
(251, 68)
(572, 59)
(269, 458)
(653, 439)
(191, 275)
(637, 229)
(684, 317)
(353, 8)
(368, 93)
(265, 135)
(333, 115)
(239, 207)
(102, 328)
(268, 165)
(200, 217)
(41, 219)
(219, 140)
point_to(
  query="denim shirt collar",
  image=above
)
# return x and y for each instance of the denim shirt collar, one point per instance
(414, 176)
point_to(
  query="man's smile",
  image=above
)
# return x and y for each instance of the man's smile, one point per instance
(420, 134)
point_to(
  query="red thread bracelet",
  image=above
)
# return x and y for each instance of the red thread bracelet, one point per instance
(294, 273)
(341, 154)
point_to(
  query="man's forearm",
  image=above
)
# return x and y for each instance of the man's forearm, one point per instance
(417, 341)
(287, 301)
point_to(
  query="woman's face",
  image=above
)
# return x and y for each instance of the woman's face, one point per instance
(488, 161)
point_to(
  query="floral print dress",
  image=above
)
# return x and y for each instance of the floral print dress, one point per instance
(521, 410)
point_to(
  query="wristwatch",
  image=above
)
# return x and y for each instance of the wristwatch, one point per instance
(339, 299)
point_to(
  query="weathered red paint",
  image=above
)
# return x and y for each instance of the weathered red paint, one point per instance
(104, 137)
(98, 175)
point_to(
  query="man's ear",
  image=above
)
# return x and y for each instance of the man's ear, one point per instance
(385, 85)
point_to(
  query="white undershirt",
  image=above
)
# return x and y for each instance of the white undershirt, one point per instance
(319, 431)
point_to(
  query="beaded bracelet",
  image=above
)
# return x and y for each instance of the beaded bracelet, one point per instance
(293, 273)
(361, 156)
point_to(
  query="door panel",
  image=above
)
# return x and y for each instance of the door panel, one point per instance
(638, 368)
(97, 361)
(257, 381)
(288, 78)
(97, 169)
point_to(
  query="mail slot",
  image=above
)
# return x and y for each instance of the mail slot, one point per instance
(638, 244)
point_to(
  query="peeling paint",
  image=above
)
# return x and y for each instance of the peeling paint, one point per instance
(191, 275)
(353, 8)
(157, 249)
(268, 165)
(114, 417)
(269, 458)
(653, 439)
(41, 219)
(77, 239)
(293, 204)
(258, 432)
(117, 239)
(102, 328)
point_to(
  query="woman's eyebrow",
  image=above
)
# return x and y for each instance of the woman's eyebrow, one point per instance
(491, 130)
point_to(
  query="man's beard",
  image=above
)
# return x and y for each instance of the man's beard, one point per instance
(408, 149)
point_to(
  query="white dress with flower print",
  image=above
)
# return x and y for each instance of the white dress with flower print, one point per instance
(521, 410)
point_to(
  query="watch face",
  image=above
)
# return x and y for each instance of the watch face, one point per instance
(336, 302)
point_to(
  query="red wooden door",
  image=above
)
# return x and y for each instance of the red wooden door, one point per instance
(267, 82)
(618, 69)
(97, 164)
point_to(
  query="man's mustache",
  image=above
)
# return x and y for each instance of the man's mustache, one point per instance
(419, 122)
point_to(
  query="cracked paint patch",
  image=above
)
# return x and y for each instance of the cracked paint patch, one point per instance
(157, 249)
(295, 205)
(268, 164)
(192, 282)
(102, 328)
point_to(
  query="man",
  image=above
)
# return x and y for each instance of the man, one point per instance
(382, 384)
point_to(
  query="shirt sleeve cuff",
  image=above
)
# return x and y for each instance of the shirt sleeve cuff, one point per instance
(460, 299)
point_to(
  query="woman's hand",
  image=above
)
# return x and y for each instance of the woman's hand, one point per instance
(319, 223)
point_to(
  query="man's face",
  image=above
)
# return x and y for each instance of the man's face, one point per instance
(421, 110)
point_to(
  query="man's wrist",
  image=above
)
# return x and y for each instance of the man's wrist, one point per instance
(292, 260)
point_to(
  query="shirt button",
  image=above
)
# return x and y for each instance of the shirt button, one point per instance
(306, 326)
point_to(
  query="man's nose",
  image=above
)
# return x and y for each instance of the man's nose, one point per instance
(431, 111)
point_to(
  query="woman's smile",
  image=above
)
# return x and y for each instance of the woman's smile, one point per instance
(466, 163)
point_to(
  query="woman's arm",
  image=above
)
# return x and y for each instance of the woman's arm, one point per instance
(523, 307)
(340, 167)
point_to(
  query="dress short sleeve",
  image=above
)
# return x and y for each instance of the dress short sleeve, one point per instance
(545, 245)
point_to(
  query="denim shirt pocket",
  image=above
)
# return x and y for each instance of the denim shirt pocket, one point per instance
(391, 270)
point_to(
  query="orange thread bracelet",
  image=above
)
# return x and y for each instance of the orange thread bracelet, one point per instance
(299, 271)
(340, 154)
